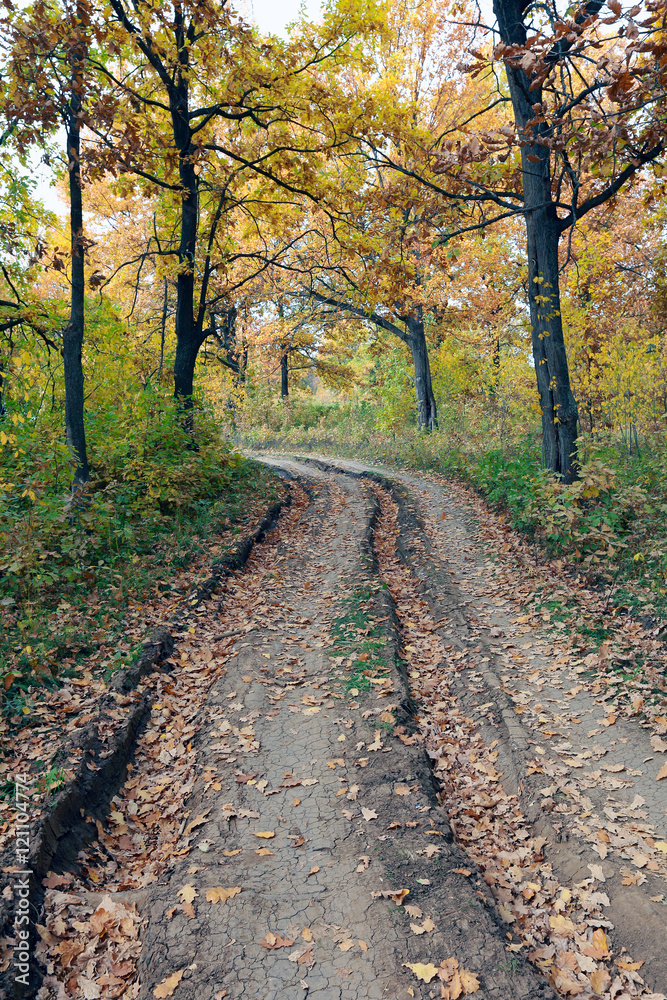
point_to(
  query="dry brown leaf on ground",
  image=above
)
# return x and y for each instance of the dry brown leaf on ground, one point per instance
(273, 941)
(221, 895)
(167, 987)
(265, 834)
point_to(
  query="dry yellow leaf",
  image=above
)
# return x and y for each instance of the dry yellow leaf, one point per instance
(662, 773)
(424, 972)
(600, 980)
(220, 895)
(362, 945)
(230, 854)
(346, 945)
(661, 845)
(561, 925)
(264, 852)
(266, 834)
(307, 934)
(600, 941)
(167, 986)
(187, 893)
(628, 966)
(401, 790)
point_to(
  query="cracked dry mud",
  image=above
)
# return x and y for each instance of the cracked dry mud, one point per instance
(303, 785)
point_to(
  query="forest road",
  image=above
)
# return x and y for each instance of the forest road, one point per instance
(327, 739)
(310, 827)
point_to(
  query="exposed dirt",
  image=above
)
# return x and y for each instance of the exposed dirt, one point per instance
(336, 797)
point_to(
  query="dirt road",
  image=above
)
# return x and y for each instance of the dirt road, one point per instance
(336, 797)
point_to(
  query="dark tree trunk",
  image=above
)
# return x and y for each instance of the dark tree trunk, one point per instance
(543, 230)
(3, 409)
(189, 335)
(73, 332)
(284, 373)
(427, 411)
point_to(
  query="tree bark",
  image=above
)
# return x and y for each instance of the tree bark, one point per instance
(74, 331)
(427, 411)
(3, 409)
(543, 231)
(284, 373)
(189, 335)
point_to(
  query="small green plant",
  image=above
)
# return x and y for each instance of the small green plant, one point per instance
(53, 780)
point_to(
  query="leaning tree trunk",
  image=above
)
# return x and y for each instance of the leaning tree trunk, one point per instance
(284, 373)
(427, 411)
(559, 409)
(73, 332)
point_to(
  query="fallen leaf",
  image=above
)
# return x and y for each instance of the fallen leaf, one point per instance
(346, 945)
(600, 981)
(264, 852)
(368, 814)
(167, 986)
(362, 945)
(220, 895)
(314, 870)
(424, 972)
(273, 941)
(187, 893)
(562, 925)
(662, 773)
(266, 834)
(230, 854)
(197, 821)
(469, 981)
(628, 966)
(307, 934)
(413, 910)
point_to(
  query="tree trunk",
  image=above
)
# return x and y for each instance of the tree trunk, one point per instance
(543, 231)
(427, 411)
(284, 373)
(189, 335)
(3, 409)
(73, 332)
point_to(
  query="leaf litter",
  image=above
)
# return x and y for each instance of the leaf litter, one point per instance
(560, 928)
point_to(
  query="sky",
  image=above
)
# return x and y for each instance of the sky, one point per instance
(272, 16)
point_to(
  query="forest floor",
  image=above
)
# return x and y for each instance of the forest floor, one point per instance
(382, 766)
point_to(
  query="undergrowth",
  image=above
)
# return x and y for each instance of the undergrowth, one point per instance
(70, 578)
(610, 523)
